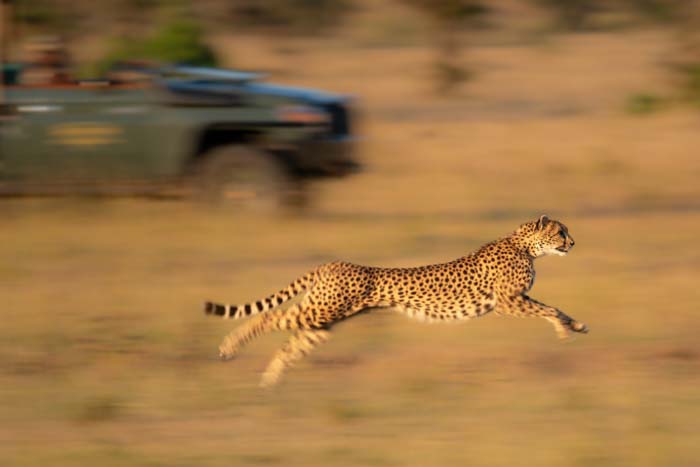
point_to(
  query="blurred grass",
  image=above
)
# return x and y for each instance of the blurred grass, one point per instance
(106, 358)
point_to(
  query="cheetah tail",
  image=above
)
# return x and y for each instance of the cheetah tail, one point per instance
(242, 311)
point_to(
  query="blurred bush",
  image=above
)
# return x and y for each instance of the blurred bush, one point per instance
(292, 16)
(687, 17)
(42, 14)
(177, 40)
(99, 409)
(690, 75)
(586, 15)
(75, 16)
(450, 74)
(643, 103)
(657, 10)
(36, 13)
(572, 14)
(451, 11)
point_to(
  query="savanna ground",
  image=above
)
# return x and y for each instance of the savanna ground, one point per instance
(107, 359)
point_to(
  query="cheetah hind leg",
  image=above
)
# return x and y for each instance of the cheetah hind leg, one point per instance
(297, 347)
(563, 324)
(255, 326)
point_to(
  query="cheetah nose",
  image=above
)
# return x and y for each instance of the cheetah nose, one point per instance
(572, 242)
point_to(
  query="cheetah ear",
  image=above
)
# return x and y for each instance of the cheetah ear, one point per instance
(542, 221)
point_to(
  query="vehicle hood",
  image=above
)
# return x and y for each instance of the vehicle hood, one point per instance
(312, 96)
(224, 91)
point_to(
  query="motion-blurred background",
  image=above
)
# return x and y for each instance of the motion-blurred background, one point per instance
(465, 118)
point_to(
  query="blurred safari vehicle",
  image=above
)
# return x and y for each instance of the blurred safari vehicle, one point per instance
(156, 128)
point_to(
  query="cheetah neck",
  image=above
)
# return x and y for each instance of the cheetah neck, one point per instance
(522, 244)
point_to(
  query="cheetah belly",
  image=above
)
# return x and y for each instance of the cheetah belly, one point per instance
(442, 312)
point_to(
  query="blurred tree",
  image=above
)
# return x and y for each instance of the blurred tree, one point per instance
(451, 18)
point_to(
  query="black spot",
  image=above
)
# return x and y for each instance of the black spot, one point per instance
(247, 309)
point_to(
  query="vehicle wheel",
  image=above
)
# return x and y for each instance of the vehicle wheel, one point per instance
(241, 175)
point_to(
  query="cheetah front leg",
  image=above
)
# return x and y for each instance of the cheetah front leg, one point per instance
(522, 305)
(296, 348)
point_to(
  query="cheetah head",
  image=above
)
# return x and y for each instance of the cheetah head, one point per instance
(544, 237)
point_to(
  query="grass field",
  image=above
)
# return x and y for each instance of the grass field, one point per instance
(106, 358)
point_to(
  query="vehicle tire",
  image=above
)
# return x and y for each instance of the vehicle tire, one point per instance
(241, 175)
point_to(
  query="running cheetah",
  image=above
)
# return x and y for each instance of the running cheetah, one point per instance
(495, 278)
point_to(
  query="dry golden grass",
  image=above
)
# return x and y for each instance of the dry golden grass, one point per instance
(106, 358)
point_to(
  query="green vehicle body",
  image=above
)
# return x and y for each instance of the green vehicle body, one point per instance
(155, 130)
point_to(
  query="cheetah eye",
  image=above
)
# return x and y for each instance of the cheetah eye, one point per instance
(562, 234)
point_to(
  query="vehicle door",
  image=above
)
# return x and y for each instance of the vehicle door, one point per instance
(83, 133)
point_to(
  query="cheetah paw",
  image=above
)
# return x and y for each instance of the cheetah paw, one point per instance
(227, 353)
(268, 381)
